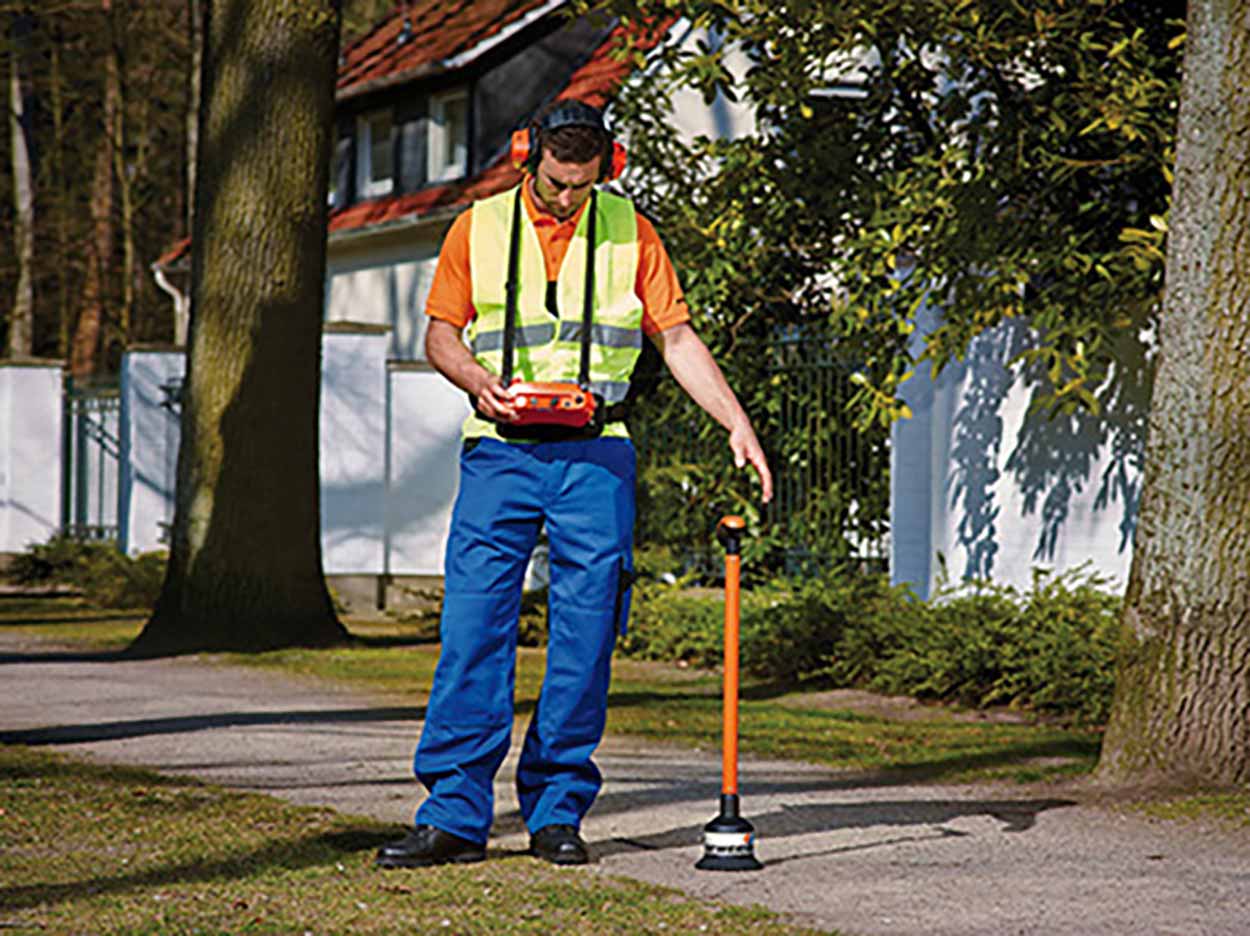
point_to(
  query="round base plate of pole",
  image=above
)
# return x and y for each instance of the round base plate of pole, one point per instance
(729, 841)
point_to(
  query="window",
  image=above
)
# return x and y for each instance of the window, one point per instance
(374, 155)
(449, 135)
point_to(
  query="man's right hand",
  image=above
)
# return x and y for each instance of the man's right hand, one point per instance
(494, 401)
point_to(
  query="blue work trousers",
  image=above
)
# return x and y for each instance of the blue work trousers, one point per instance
(583, 491)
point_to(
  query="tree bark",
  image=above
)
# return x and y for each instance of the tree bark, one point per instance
(245, 562)
(1182, 707)
(21, 320)
(84, 353)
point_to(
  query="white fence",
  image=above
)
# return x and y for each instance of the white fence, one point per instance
(390, 440)
(31, 431)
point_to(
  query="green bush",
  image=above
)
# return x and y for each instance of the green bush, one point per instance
(1051, 650)
(106, 577)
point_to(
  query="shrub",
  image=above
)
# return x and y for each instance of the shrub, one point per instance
(107, 578)
(1050, 650)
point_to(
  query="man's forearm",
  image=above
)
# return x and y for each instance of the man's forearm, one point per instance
(692, 365)
(694, 368)
(446, 352)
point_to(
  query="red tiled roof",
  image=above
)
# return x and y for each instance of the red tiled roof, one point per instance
(595, 83)
(377, 57)
(439, 32)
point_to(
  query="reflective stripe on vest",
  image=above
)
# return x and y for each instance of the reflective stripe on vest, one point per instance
(549, 349)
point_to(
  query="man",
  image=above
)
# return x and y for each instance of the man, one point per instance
(523, 256)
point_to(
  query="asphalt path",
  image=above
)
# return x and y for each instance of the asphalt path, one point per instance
(855, 853)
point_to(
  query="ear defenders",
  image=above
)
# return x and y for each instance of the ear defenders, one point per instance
(527, 143)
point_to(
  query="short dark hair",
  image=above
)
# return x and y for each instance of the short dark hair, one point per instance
(579, 135)
(574, 144)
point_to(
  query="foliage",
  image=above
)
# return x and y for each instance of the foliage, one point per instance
(1050, 650)
(993, 159)
(916, 172)
(107, 578)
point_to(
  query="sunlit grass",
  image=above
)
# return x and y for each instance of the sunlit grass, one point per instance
(91, 849)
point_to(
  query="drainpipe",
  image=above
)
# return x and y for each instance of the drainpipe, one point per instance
(182, 305)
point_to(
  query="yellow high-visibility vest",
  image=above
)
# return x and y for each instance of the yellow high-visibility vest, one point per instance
(548, 348)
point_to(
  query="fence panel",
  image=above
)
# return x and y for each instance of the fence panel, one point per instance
(92, 461)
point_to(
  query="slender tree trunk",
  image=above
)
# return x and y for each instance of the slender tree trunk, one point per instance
(1182, 706)
(21, 321)
(124, 168)
(245, 563)
(60, 184)
(195, 18)
(84, 354)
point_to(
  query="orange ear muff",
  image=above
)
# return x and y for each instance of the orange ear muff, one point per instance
(521, 148)
(617, 165)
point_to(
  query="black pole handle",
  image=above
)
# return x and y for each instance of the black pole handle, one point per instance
(730, 531)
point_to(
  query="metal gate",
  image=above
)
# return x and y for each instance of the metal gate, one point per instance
(91, 463)
(832, 477)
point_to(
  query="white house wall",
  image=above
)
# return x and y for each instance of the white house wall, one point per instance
(983, 489)
(151, 384)
(384, 281)
(30, 454)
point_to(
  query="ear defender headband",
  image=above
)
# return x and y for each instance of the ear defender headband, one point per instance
(527, 143)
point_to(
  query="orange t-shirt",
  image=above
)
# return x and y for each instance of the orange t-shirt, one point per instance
(451, 293)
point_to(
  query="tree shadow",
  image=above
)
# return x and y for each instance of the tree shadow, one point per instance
(925, 820)
(1055, 457)
(292, 854)
(189, 724)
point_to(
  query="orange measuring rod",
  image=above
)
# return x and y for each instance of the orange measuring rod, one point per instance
(729, 840)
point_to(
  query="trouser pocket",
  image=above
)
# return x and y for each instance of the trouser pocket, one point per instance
(624, 583)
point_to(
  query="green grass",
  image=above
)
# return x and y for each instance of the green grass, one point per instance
(663, 704)
(1227, 808)
(86, 848)
(70, 621)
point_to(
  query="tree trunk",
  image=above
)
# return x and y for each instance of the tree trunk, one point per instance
(84, 354)
(245, 562)
(60, 208)
(195, 19)
(21, 320)
(1182, 706)
(125, 169)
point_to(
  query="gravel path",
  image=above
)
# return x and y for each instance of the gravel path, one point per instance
(851, 853)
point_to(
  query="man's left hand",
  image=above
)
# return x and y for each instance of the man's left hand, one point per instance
(746, 448)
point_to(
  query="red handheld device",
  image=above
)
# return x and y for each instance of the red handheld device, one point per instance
(561, 404)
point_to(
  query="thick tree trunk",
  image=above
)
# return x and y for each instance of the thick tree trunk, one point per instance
(1182, 707)
(21, 319)
(245, 563)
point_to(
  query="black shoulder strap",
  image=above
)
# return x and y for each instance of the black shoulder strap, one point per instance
(588, 298)
(509, 309)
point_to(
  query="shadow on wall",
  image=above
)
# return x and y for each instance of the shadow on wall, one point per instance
(1053, 461)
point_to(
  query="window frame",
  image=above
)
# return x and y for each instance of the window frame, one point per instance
(366, 185)
(439, 169)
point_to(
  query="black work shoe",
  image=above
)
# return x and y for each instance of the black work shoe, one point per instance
(427, 845)
(559, 844)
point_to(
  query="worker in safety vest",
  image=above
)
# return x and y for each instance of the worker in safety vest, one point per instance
(514, 270)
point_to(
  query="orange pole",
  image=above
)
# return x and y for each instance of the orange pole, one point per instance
(729, 746)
